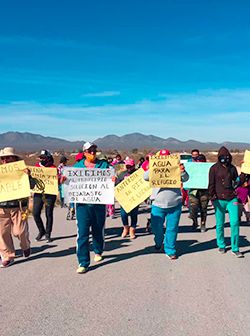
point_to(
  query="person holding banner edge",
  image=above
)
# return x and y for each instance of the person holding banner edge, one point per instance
(166, 206)
(13, 218)
(45, 160)
(198, 202)
(133, 214)
(90, 215)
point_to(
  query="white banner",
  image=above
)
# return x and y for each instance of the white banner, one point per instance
(91, 186)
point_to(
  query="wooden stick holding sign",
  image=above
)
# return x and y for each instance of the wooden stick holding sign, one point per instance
(164, 171)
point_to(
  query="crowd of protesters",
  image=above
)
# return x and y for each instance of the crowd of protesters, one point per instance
(226, 191)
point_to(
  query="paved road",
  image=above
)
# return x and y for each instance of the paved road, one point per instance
(134, 291)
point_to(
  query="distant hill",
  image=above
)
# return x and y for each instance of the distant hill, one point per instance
(140, 141)
(27, 142)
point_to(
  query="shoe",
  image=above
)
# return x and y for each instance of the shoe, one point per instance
(81, 269)
(7, 263)
(73, 214)
(39, 236)
(48, 239)
(238, 254)
(125, 231)
(195, 224)
(157, 248)
(132, 233)
(172, 256)
(68, 216)
(222, 250)
(26, 253)
(98, 258)
(203, 228)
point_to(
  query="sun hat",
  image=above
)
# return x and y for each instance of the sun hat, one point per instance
(8, 151)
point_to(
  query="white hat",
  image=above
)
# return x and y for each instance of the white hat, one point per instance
(8, 151)
(88, 145)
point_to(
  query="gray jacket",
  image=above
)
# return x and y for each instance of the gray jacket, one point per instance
(167, 197)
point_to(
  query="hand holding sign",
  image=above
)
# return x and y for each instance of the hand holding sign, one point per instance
(164, 171)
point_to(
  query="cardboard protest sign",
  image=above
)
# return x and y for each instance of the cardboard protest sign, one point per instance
(14, 183)
(198, 175)
(133, 190)
(47, 178)
(164, 171)
(90, 186)
(245, 168)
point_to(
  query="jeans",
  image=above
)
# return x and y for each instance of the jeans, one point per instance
(221, 206)
(89, 215)
(172, 218)
(133, 214)
(38, 203)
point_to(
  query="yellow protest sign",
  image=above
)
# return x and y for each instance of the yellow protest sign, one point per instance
(164, 171)
(14, 183)
(47, 178)
(245, 168)
(133, 190)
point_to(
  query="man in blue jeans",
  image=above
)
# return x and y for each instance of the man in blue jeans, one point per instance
(166, 206)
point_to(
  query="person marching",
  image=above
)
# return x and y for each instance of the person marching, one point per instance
(71, 214)
(45, 160)
(166, 206)
(63, 163)
(243, 193)
(13, 218)
(133, 214)
(222, 182)
(90, 215)
(198, 201)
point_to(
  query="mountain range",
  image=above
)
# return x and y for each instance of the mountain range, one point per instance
(28, 142)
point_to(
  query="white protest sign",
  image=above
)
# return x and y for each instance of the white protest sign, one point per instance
(90, 186)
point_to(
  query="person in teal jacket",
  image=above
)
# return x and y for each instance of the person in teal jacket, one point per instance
(90, 215)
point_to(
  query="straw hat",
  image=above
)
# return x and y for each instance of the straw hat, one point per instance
(8, 151)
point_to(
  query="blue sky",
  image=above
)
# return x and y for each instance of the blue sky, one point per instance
(81, 69)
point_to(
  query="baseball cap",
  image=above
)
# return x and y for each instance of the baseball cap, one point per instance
(44, 153)
(88, 145)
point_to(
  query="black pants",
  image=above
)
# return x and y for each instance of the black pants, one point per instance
(49, 208)
(199, 203)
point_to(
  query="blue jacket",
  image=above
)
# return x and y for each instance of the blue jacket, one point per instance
(99, 164)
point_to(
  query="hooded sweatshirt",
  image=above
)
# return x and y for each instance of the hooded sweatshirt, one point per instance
(222, 178)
